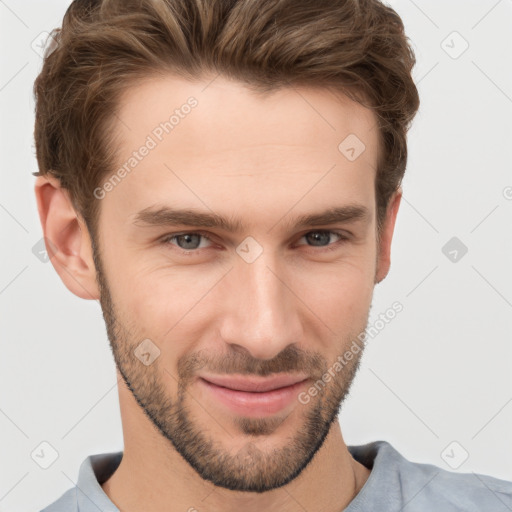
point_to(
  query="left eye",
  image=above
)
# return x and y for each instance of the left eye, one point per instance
(192, 241)
(322, 235)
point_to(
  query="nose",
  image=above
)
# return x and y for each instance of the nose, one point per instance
(261, 312)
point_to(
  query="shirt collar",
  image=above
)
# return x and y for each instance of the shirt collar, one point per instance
(96, 469)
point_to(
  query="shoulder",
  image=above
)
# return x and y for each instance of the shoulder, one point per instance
(426, 486)
(66, 503)
(458, 491)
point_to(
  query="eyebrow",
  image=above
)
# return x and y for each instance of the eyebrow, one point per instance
(167, 216)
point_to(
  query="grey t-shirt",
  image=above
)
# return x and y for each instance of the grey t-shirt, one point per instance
(394, 485)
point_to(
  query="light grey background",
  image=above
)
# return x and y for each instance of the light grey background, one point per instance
(439, 373)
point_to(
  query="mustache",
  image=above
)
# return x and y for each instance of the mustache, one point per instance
(290, 360)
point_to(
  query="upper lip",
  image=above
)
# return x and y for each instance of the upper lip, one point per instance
(254, 384)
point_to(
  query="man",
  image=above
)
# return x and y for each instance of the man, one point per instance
(225, 178)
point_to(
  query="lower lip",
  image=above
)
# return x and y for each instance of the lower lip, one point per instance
(254, 404)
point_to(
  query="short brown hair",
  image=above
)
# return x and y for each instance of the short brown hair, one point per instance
(356, 47)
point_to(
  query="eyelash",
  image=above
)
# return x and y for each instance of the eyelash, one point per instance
(331, 247)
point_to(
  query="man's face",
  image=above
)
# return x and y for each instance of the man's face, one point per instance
(270, 298)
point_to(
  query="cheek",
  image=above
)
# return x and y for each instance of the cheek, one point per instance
(340, 289)
(163, 305)
(340, 298)
(155, 307)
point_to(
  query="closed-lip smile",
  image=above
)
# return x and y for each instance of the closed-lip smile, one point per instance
(255, 384)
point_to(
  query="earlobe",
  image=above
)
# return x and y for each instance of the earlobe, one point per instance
(384, 250)
(66, 238)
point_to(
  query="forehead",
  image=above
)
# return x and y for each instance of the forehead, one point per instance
(313, 116)
(216, 143)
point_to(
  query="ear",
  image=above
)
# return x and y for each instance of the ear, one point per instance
(66, 238)
(384, 249)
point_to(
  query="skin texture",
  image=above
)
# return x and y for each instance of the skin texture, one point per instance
(265, 160)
